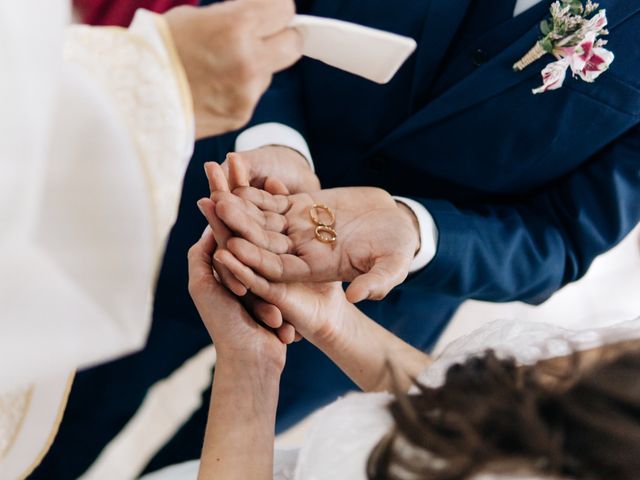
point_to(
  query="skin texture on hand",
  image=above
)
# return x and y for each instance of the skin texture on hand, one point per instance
(320, 312)
(273, 161)
(230, 51)
(376, 240)
(246, 378)
(234, 332)
(261, 310)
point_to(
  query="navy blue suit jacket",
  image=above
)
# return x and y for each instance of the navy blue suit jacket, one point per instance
(525, 190)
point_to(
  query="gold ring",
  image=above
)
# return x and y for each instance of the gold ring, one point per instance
(314, 211)
(326, 234)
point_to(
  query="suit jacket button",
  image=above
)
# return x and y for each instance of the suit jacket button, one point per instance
(480, 57)
(377, 162)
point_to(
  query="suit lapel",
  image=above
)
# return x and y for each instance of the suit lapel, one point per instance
(487, 81)
(441, 25)
(494, 77)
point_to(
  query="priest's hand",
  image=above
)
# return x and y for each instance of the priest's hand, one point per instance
(230, 50)
(376, 239)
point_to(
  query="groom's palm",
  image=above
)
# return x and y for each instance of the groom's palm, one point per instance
(374, 247)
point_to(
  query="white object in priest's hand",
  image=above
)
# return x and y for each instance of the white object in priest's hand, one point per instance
(373, 54)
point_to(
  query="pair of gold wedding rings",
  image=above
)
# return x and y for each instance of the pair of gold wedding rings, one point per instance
(324, 226)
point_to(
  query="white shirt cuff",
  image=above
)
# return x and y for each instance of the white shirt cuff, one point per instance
(274, 134)
(428, 234)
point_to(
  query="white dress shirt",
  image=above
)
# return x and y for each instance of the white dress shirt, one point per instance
(278, 134)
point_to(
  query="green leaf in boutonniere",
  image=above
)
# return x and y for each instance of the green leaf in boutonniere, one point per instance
(569, 24)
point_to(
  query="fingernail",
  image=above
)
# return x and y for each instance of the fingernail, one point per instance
(199, 203)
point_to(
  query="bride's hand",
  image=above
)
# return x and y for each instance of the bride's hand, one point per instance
(317, 311)
(376, 239)
(237, 337)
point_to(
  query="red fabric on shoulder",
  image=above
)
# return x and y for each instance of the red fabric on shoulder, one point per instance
(120, 12)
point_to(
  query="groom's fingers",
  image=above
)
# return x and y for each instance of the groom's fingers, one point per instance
(386, 273)
(274, 267)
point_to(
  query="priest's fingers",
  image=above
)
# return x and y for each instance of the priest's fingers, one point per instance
(221, 234)
(282, 49)
(264, 200)
(273, 222)
(272, 266)
(387, 272)
(266, 17)
(217, 179)
(244, 226)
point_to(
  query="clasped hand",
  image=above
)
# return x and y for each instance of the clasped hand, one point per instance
(274, 236)
(268, 254)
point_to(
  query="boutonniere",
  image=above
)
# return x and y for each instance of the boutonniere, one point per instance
(572, 36)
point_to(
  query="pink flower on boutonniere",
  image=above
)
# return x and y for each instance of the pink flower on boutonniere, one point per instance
(572, 36)
(553, 76)
(597, 22)
(588, 59)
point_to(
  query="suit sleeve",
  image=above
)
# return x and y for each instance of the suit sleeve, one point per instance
(528, 250)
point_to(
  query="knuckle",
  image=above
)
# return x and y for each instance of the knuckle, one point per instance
(192, 253)
(195, 286)
(288, 8)
(243, 14)
(246, 69)
(296, 44)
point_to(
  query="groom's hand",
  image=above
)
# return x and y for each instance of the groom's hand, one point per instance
(230, 50)
(272, 162)
(376, 239)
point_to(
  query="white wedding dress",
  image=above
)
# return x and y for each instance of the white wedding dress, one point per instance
(341, 436)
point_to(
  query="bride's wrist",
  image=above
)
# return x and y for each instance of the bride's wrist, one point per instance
(337, 332)
(250, 366)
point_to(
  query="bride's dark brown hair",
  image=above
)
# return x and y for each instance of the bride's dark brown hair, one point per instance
(577, 417)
